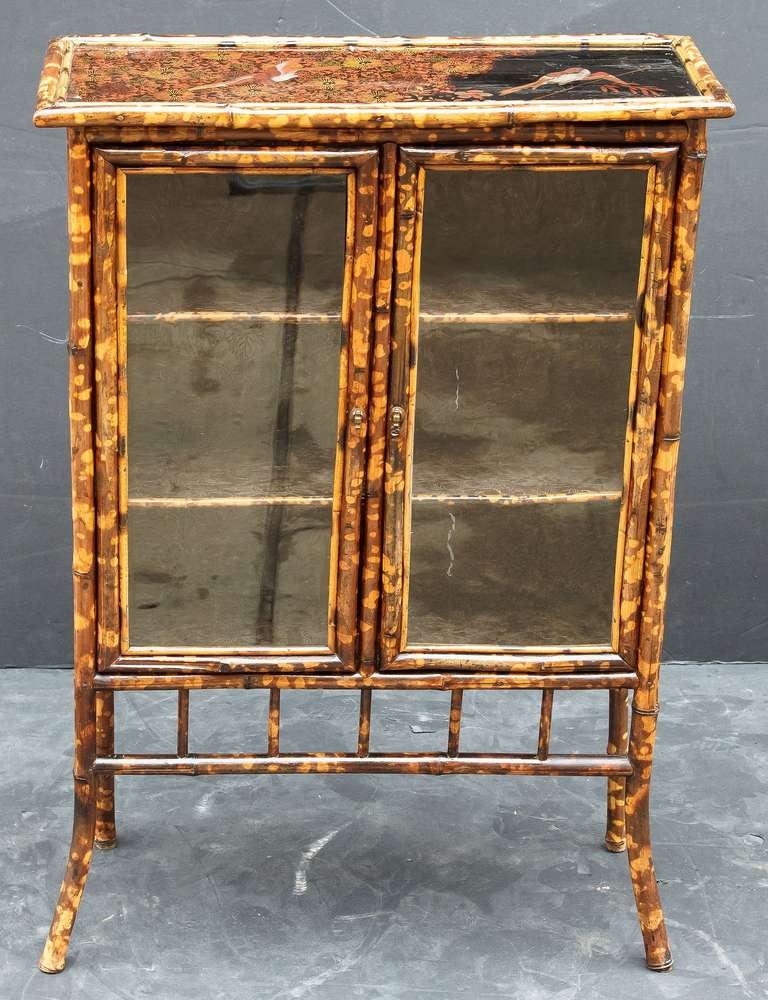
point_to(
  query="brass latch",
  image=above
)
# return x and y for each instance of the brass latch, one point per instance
(396, 418)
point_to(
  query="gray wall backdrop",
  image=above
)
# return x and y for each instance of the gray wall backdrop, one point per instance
(719, 598)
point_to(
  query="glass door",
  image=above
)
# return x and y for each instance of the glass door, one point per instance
(243, 325)
(527, 329)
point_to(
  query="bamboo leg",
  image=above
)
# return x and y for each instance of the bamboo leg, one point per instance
(70, 894)
(645, 704)
(84, 582)
(643, 735)
(618, 740)
(106, 832)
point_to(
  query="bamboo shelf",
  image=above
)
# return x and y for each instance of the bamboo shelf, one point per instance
(376, 357)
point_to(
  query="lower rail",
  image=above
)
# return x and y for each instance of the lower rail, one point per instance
(355, 682)
(579, 765)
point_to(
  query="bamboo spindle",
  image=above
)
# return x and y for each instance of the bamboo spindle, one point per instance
(545, 722)
(273, 723)
(364, 727)
(454, 722)
(182, 724)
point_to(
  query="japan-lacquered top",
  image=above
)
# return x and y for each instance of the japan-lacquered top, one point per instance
(279, 83)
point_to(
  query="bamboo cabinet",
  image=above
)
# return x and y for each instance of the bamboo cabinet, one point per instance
(376, 360)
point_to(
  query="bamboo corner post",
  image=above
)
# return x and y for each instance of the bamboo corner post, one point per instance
(297, 126)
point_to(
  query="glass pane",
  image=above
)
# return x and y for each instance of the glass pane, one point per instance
(523, 410)
(206, 417)
(533, 574)
(222, 576)
(225, 241)
(531, 240)
(232, 417)
(520, 421)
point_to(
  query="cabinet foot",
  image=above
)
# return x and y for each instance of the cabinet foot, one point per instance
(647, 899)
(81, 850)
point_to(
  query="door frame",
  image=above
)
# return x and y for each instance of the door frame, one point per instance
(110, 165)
(394, 653)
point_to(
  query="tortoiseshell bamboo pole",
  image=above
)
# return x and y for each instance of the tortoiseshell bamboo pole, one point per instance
(454, 722)
(106, 829)
(618, 740)
(273, 722)
(636, 133)
(645, 705)
(370, 584)
(392, 575)
(84, 563)
(574, 765)
(182, 723)
(545, 723)
(105, 476)
(364, 724)
(144, 680)
(646, 369)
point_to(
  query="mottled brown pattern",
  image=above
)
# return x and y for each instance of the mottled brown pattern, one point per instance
(80, 348)
(78, 863)
(369, 601)
(445, 680)
(106, 831)
(657, 553)
(371, 584)
(364, 722)
(650, 329)
(106, 409)
(575, 765)
(361, 275)
(636, 133)
(394, 455)
(618, 741)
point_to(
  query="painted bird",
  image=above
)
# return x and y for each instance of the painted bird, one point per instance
(579, 74)
(286, 70)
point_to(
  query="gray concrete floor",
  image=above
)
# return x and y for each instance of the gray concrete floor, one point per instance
(389, 887)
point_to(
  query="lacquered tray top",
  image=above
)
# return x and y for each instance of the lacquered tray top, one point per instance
(147, 80)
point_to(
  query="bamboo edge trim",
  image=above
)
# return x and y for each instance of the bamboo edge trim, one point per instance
(546, 132)
(279, 117)
(645, 39)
